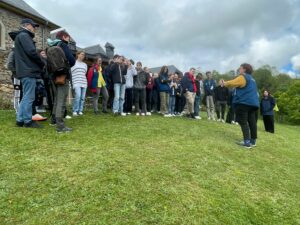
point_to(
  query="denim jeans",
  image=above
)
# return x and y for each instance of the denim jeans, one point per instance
(197, 105)
(79, 99)
(119, 91)
(25, 108)
(172, 101)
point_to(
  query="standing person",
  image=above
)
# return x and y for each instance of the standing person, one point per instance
(209, 87)
(97, 86)
(149, 90)
(118, 71)
(29, 66)
(246, 103)
(197, 104)
(164, 89)
(231, 116)
(172, 95)
(189, 89)
(155, 94)
(221, 96)
(139, 89)
(267, 105)
(79, 83)
(131, 72)
(61, 88)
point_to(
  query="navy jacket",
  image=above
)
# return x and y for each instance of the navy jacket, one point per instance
(267, 106)
(187, 84)
(209, 87)
(28, 63)
(164, 82)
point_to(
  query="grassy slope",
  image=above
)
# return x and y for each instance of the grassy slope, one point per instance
(152, 170)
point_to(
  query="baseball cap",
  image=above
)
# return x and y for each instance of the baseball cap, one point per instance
(30, 21)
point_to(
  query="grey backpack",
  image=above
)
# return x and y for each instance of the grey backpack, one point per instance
(56, 60)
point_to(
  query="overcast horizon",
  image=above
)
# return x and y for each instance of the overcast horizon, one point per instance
(208, 34)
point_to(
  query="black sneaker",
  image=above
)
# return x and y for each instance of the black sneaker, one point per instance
(104, 111)
(32, 124)
(19, 124)
(63, 130)
(243, 144)
(53, 121)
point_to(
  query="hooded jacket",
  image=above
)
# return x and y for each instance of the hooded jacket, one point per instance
(28, 63)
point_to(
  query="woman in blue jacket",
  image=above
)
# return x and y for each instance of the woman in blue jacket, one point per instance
(267, 104)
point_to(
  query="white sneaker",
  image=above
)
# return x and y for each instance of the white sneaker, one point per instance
(148, 113)
(219, 120)
(138, 114)
(208, 118)
(232, 122)
(68, 117)
(236, 123)
(213, 119)
(223, 121)
(197, 117)
(142, 114)
(74, 114)
(80, 113)
(123, 114)
(167, 115)
(128, 113)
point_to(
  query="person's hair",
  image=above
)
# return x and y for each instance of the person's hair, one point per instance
(199, 76)
(269, 94)
(208, 72)
(145, 68)
(139, 63)
(132, 62)
(62, 34)
(116, 56)
(247, 67)
(192, 68)
(162, 70)
(78, 53)
(96, 59)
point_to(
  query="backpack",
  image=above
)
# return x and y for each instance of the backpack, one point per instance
(11, 66)
(56, 60)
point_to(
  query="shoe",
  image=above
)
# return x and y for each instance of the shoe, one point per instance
(123, 114)
(213, 119)
(53, 121)
(63, 130)
(74, 114)
(80, 113)
(38, 117)
(236, 123)
(253, 142)
(19, 124)
(245, 144)
(197, 117)
(219, 120)
(68, 117)
(208, 118)
(104, 111)
(128, 113)
(192, 116)
(32, 124)
(137, 114)
(142, 114)
(148, 114)
(167, 115)
(223, 121)
(232, 122)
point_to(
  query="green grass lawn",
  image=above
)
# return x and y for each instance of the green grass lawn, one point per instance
(147, 170)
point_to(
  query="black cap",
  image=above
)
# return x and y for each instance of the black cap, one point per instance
(30, 21)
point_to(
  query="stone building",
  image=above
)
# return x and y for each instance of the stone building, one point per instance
(11, 14)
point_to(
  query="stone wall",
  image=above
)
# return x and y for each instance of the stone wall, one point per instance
(11, 22)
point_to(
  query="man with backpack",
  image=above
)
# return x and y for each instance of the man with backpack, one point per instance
(60, 60)
(28, 66)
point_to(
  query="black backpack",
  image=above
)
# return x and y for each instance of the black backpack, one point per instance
(56, 60)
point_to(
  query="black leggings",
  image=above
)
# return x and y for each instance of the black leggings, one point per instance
(246, 117)
(269, 123)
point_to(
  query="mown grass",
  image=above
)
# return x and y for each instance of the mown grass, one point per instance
(153, 170)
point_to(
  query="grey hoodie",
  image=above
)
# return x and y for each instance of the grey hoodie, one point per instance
(129, 76)
(140, 80)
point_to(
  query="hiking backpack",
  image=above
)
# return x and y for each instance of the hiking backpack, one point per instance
(56, 60)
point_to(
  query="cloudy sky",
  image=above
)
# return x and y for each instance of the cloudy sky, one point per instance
(210, 34)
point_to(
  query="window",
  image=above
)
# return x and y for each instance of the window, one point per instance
(2, 36)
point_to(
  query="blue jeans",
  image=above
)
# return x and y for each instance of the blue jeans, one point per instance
(172, 101)
(197, 105)
(119, 91)
(25, 108)
(79, 99)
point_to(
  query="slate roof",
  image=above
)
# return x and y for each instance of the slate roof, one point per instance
(172, 69)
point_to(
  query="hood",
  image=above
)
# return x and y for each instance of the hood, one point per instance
(51, 42)
(14, 34)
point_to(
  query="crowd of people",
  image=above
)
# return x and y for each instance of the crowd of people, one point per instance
(127, 87)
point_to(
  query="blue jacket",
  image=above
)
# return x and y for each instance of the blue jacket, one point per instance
(247, 95)
(267, 106)
(187, 84)
(209, 87)
(164, 83)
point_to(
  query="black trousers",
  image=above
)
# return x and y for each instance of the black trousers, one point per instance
(155, 100)
(140, 99)
(149, 99)
(128, 100)
(246, 117)
(269, 123)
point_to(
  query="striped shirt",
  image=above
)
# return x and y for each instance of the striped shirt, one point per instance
(79, 71)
